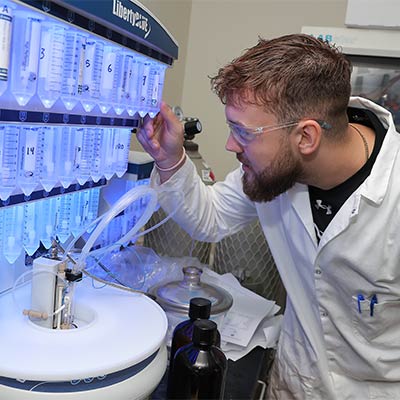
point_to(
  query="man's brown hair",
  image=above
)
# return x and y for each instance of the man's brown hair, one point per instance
(294, 76)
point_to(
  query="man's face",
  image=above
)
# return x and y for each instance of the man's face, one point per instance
(269, 164)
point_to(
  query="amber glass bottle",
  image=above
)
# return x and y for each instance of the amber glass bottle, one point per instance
(199, 308)
(198, 371)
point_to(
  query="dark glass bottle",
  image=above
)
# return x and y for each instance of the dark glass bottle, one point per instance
(199, 308)
(198, 370)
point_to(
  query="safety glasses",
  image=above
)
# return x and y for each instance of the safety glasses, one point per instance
(245, 135)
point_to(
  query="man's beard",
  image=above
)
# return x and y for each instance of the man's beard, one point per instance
(279, 177)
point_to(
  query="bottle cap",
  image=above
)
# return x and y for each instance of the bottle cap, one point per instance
(204, 331)
(199, 308)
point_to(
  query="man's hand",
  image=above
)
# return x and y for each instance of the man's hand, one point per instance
(162, 137)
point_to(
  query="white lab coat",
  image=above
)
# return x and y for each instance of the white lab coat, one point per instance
(327, 348)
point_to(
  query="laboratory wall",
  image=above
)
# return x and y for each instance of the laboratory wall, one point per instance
(175, 15)
(213, 32)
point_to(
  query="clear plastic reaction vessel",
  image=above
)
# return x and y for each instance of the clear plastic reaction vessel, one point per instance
(108, 160)
(83, 154)
(51, 157)
(31, 239)
(133, 99)
(12, 232)
(108, 78)
(46, 210)
(30, 159)
(9, 142)
(25, 56)
(63, 217)
(122, 139)
(73, 69)
(77, 213)
(144, 88)
(51, 63)
(90, 91)
(99, 151)
(67, 155)
(6, 20)
(156, 86)
(123, 73)
(92, 199)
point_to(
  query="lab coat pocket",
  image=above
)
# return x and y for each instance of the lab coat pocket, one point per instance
(382, 325)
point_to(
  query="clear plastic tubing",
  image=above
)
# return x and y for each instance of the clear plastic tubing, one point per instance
(51, 63)
(92, 66)
(31, 221)
(122, 139)
(6, 21)
(66, 155)
(9, 142)
(120, 206)
(25, 57)
(109, 70)
(46, 210)
(51, 157)
(73, 69)
(12, 231)
(30, 159)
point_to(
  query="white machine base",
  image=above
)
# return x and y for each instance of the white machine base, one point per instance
(138, 387)
(117, 351)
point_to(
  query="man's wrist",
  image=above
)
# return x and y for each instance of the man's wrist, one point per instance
(174, 166)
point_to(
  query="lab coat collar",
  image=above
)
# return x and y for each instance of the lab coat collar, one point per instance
(375, 186)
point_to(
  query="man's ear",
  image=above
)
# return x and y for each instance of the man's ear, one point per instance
(308, 136)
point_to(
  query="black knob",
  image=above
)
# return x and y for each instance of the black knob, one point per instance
(192, 127)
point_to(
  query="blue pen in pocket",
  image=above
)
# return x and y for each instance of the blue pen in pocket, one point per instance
(360, 298)
(373, 301)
